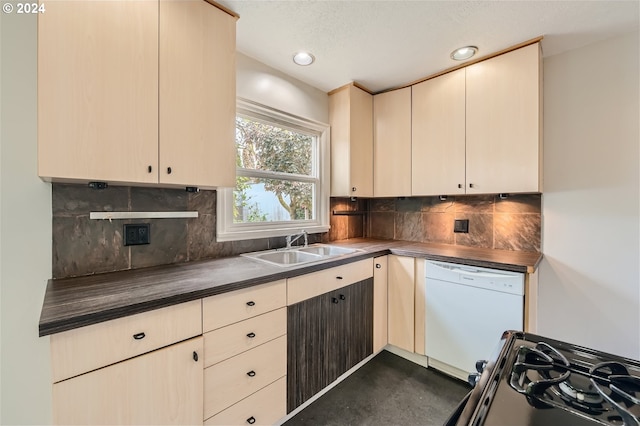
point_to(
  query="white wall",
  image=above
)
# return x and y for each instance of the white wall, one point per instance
(25, 227)
(263, 84)
(589, 278)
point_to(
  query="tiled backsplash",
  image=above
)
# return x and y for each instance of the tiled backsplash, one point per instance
(82, 246)
(508, 224)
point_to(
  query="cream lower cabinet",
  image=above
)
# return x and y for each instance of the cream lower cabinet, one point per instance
(401, 281)
(380, 302)
(245, 355)
(131, 370)
(162, 387)
(136, 92)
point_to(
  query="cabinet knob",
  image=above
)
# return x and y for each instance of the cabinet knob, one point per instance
(342, 297)
(378, 266)
(470, 185)
(168, 170)
(149, 169)
(460, 185)
(195, 356)
(251, 335)
(251, 420)
(251, 373)
(334, 300)
(139, 336)
(338, 278)
(354, 189)
(251, 303)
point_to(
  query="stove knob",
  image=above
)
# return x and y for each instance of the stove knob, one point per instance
(473, 379)
(480, 365)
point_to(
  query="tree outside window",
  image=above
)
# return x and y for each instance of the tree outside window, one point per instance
(276, 177)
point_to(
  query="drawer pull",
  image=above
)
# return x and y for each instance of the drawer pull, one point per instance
(338, 278)
(139, 336)
(251, 373)
(251, 420)
(251, 335)
(195, 356)
(251, 303)
(378, 266)
(342, 297)
(334, 300)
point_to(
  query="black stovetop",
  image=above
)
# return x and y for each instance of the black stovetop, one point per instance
(540, 381)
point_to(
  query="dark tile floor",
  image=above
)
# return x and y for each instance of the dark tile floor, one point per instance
(388, 390)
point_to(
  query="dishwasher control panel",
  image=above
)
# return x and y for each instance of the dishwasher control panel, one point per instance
(490, 279)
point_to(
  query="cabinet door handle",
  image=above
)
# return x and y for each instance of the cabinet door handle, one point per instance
(169, 170)
(459, 185)
(251, 420)
(149, 169)
(470, 185)
(195, 356)
(342, 297)
(139, 336)
(251, 373)
(251, 303)
(354, 189)
(338, 278)
(378, 266)
(251, 335)
(334, 300)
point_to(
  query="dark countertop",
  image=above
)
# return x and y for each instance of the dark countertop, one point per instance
(75, 302)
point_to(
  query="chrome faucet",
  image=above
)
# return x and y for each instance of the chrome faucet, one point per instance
(294, 237)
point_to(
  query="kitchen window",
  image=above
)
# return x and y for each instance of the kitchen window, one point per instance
(282, 175)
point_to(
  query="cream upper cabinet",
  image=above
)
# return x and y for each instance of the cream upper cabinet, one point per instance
(351, 119)
(392, 143)
(503, 116)
(132, 92)
(438, 135)
(197, 94)
(98, 91)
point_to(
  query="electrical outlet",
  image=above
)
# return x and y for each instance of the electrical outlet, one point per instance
(137, 234)
(461, 226)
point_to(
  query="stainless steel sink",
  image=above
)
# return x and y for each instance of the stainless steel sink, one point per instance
(299, 256)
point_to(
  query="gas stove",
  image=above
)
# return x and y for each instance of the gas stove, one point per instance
(534, 380)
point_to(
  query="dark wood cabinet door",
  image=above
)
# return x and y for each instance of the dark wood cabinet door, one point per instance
(327, 335)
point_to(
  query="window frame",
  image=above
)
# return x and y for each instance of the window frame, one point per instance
(227, 230)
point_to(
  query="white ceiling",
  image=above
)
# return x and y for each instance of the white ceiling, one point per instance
(385, 44)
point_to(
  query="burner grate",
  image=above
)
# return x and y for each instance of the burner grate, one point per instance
(606, 392)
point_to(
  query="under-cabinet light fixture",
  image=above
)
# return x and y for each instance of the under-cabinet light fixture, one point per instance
(303, 58)
(463, 53)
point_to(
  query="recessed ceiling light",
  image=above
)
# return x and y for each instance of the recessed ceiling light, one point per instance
(303, 58)
(463, 53)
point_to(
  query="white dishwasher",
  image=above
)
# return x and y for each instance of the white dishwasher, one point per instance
(467, 310)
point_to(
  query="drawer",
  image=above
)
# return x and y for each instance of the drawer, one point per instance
(233, 339)
(236, 378)
(87, 348)
(264, 407)
(228, 308)
(311, 285)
